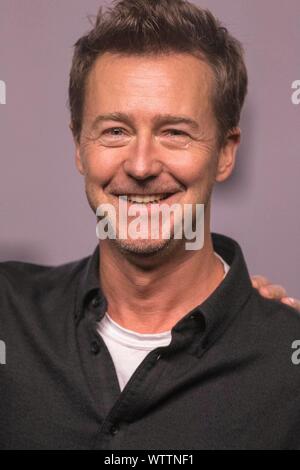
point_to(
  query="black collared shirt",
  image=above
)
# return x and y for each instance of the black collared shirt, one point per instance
(226, 381)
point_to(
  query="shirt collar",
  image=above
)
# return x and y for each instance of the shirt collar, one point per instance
(217, 311)
(228, 299)
(89, 288)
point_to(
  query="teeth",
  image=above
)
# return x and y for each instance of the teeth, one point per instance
(145, 199)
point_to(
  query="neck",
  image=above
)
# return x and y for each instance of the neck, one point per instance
(153, 298)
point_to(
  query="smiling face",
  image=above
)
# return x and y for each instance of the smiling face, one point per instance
(149, 130)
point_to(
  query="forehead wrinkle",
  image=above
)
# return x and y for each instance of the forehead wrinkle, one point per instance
(203, 87)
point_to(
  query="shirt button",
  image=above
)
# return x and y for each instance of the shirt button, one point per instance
(96, 301)
(114, 429)
(95, 347)
(158, 356)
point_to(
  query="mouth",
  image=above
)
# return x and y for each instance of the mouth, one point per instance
(145, 199)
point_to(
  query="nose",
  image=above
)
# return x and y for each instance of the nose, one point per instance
(143, 160)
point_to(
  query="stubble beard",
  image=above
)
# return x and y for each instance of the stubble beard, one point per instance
(147, 246)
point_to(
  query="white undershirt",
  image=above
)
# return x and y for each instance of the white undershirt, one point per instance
(128, 348)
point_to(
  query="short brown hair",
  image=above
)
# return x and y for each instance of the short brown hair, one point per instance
(163, 26)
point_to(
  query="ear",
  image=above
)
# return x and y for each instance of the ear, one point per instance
(78, 158)
(227, 155)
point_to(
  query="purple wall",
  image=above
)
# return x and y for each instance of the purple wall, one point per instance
(44, 214)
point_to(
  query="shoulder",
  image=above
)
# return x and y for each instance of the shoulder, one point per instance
(20, 276)
(273, 315)
(274, 333)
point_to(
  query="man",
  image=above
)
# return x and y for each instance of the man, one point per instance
(146, 344)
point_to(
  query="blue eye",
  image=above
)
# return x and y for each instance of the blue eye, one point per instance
(113, 130)
(177, 132)
(175, 138)
(114, 137)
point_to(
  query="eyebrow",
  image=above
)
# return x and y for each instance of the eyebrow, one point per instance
(159, 120)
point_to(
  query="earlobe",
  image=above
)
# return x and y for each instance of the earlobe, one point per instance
(78, 160)
(227, 155)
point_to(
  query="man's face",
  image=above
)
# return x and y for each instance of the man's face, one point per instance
(149, 129)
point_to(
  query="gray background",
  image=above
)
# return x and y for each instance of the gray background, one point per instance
(44, 214)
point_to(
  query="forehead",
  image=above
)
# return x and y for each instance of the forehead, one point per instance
(173, 83)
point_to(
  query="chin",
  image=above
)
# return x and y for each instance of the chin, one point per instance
(143, 247)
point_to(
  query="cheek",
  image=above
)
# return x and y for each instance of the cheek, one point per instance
(192, 168)
(101, 165)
